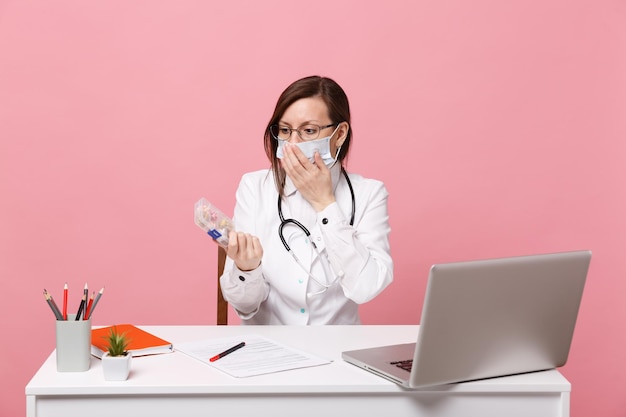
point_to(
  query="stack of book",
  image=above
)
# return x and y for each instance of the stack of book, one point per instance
(141, 342)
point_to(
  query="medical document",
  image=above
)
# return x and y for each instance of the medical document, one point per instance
(259, 355)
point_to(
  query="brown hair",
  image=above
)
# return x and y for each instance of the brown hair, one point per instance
(313, 86)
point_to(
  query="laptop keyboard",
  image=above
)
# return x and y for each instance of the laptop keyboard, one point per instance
(406, 364)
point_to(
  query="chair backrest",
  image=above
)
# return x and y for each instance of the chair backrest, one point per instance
(222, 305)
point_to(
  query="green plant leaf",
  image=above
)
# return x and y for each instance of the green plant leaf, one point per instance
(117, 343)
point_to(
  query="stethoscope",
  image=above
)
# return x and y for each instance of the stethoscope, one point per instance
(284, 222)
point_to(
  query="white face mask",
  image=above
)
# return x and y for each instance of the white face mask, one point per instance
(322, 146)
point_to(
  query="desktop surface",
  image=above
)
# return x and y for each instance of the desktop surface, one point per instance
(161, 383)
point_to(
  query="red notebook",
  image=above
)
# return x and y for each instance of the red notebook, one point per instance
(141, 342)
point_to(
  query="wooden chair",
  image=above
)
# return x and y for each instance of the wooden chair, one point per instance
(222, 305)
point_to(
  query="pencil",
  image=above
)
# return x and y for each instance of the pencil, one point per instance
(52, 305)
(65, 302)
(95, 302)
(82, 302)
(88, 309)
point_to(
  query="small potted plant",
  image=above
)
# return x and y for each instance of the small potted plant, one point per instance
(116, 360)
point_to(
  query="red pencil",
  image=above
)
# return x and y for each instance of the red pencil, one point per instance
(88, 309)
(65, 302)
(95, 302)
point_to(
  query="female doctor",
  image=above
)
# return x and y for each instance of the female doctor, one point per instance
(312, 241)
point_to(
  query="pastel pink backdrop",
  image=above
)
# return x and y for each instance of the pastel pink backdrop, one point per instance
(498, 128)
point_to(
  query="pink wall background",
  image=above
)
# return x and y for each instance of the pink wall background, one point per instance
(498, 127)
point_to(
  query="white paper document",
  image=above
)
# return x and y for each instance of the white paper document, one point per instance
(259, 356)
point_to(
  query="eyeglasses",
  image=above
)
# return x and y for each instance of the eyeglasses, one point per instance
(306, 132)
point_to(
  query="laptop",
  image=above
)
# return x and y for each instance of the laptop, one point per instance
(487, 318)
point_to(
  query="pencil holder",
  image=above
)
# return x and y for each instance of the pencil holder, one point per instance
(73, 344)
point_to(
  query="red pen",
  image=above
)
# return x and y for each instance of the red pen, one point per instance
(227, 351)
(65, 302)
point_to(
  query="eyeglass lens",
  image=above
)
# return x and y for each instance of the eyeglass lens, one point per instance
(306, 132)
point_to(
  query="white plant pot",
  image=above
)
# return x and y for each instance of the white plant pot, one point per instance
(116, 368)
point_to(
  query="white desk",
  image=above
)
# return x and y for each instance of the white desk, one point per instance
(177, 385)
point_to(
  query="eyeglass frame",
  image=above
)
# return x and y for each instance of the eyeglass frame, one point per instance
(297, 130)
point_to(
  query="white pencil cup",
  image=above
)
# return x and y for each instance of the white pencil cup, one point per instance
(73, 344)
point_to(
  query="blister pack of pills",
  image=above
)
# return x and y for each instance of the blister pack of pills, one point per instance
(215, 223)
